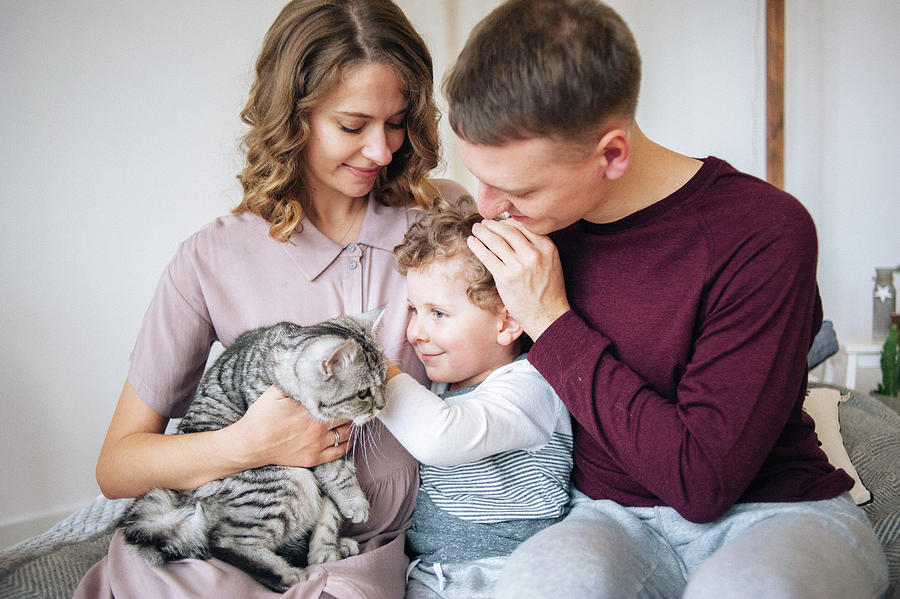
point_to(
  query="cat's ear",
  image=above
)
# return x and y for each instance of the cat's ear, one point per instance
(372, 319)
(339, 357)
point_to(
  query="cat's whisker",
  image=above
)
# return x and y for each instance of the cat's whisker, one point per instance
(373, 444)
(356, 437)
(357, 445)
(395, 346)
(333, 369)
(362, 439)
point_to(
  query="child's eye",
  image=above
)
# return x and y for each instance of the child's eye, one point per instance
(438, 314)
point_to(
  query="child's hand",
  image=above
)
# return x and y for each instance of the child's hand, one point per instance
(392, 371)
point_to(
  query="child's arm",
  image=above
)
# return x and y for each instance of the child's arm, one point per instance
(514, 408)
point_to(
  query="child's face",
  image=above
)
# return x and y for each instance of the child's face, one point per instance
(456, 340)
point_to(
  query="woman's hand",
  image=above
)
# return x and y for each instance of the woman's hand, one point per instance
(526, 270)
(278, 430)
(137, 456)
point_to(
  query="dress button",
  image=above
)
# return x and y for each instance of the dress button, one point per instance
(350, 248)
(353, 264)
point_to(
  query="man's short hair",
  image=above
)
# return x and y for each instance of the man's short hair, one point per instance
(543, 68)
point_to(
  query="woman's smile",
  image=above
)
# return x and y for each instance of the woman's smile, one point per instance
(363, 173)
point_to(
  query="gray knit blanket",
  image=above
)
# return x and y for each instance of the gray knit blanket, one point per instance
(871, 433)
(50, 565)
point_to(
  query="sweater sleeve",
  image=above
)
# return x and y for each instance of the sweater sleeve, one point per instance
(504, 413)
(700, 450)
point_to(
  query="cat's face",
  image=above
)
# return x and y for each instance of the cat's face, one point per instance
(338, 373)
(360, 407)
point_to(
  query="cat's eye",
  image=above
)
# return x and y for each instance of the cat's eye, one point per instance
(362, 394)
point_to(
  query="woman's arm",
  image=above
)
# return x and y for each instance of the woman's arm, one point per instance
(136, 456)
(516, 410)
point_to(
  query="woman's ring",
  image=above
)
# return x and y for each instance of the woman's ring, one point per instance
(337, 437)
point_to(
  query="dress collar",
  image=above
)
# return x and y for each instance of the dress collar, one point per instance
(383, 228)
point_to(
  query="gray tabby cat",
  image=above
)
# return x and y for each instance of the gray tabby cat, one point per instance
(272, 521)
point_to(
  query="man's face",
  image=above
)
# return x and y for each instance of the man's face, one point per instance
(539, 182)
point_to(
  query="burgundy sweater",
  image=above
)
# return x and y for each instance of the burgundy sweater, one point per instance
(683, 359)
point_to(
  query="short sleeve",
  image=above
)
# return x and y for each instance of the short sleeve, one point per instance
(174, 340)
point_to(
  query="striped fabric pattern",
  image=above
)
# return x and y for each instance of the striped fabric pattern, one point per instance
(511, 485)
(871, 433)
(51, 564)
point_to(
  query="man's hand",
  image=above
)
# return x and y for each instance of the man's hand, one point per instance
(526, 270)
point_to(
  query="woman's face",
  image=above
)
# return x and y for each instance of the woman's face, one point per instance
(354, 133)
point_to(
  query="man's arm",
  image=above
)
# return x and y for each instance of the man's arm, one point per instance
(700, 450)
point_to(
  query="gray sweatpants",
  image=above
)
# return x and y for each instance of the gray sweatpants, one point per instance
(462, 580)
(815, 549)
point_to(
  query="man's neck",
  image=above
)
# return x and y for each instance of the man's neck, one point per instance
(654, 172)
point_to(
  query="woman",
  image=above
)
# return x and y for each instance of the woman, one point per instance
(343, 131)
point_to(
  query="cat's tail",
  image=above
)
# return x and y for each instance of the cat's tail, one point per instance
(163, 527)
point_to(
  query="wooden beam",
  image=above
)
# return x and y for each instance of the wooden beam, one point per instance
(775, 92)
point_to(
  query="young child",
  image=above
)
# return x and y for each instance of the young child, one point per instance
(493, 438)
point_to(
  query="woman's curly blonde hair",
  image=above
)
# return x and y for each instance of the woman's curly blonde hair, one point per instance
(440, 234)
(305, 55)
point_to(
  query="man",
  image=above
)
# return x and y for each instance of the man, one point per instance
(672, 308)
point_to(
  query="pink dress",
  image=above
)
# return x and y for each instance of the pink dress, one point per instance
(230, 277)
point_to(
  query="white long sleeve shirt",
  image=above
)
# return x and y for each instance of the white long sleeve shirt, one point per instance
(497, 451)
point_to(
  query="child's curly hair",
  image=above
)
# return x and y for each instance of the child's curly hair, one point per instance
(441, 234)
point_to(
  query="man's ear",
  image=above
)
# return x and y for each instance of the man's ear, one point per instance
(613, 151)
(510, 329)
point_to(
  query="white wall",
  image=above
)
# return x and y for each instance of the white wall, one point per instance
(120, 133)
(841, 144)
(681, 104)
(119, 138)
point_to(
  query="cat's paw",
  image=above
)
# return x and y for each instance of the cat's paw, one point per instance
(347, 547)
(287, 579)
(355, 509)
(344, 547)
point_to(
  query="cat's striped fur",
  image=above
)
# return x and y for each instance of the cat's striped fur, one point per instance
(272, 521)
